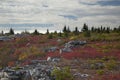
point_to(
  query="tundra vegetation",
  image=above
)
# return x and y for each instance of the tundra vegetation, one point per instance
(97, 59)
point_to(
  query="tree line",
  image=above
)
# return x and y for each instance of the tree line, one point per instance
(66, 31)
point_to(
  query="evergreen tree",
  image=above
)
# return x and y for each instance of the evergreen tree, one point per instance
(25, 32)
(76, 29)
(85, 27)
(115, 29)
(98, 30)
(108, 30)
(101, 29)
(11, 31)
(93, 29)
(86, 30)
(104, 29)
(47, 31)
(65, 29)
(119, 29)
(55, 32)
(36, 32)
(68, 30)
(2, 33)
(76, 32)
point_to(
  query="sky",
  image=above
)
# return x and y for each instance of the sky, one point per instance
(54, 14)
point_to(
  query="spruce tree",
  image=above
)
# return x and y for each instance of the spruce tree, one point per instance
(36, 32)
(119, 29)
(68, 30)
(85, 27)
(108, 30)
(11, 31)
(65, 29)
(2, 33)
(98, 30)
(47, 31)
(76, 32)
(92, 29)
(101, 29)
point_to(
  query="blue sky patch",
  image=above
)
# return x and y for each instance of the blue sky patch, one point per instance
(70, 17)
(108, 3)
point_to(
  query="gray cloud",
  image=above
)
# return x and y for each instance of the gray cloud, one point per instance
(60, 12)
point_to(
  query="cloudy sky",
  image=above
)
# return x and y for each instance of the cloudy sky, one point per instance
(54, 14)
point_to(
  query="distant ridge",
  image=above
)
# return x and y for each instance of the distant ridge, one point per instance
(27, 25)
